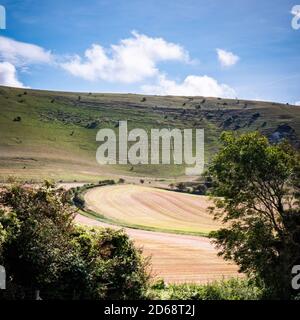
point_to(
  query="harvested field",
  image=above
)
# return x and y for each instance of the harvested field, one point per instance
(176, 258)
(157, 209)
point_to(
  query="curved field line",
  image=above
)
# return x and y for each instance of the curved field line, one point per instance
(176, 258)
(152, 209)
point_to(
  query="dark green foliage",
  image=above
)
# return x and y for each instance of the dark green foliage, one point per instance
(93, 124)
(78, 200)
(181, 186)
(43, 250)
(106, 182)
(232, 289)
(200, 189)
(17, 119)
(259, 183)
(116, 269)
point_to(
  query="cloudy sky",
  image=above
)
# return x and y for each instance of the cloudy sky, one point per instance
(238, 48)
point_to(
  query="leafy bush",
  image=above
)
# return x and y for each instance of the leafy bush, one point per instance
(181, 187)
(116, 268)
(258, 184)
(200, 189)
(43, 251)
(106, 182)
(78, 200)
(232, 289)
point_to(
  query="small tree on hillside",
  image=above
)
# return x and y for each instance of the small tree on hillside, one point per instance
(259, 185)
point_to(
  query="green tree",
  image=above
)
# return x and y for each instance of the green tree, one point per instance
(116, 268)
(37, 223)
(258, 200)
(44, 251)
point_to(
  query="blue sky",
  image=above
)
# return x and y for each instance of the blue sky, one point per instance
(172, 51)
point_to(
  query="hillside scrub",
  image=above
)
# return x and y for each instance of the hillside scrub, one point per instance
(46, 254)
(259, 186)
(66, 126)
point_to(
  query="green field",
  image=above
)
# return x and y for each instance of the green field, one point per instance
(46, 134)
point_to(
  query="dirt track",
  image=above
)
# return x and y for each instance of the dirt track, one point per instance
(175, 258)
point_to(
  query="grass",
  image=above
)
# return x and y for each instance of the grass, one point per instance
(231, 289)
(99, 217)
(56, 135)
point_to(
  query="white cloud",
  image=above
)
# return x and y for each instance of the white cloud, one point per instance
(8, 75)
(136, 59)
(227, 58)
(133, 59)
(21, 53)
(297, 103)
(191, 86)
(14, 55)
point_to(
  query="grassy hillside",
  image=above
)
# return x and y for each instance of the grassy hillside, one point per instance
(46, 134)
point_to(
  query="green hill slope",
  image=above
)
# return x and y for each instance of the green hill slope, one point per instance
(46, 134)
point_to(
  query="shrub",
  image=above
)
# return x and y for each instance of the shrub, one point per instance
(17, 119)
(116, 268)
(181, 187)
(78, 200)
(232, 289)
(257, 184)
(200, 189)
(93, 124)
(43, 251)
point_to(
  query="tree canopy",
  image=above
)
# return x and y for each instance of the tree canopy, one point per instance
(258, 193)
(43, 250)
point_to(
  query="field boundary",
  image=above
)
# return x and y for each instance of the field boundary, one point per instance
(102, 218)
